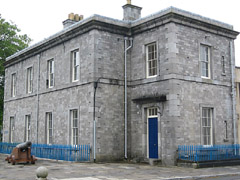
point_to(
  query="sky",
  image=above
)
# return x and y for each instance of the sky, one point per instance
(40, 19)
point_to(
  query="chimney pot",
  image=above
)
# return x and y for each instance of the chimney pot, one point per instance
(71, 16)
(129, 2)
(76, 17)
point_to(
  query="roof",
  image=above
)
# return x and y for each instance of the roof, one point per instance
(125, 28)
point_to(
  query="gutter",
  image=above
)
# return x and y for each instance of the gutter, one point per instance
(125, 89)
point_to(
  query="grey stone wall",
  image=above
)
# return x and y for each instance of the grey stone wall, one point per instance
(180, 79)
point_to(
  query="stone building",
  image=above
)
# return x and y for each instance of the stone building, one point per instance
(176, 87)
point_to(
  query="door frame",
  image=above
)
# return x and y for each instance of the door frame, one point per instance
(152, 115)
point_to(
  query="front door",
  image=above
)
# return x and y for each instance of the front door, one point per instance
(153, 137)
(153, 134)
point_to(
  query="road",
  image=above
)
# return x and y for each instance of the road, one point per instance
(233, 177)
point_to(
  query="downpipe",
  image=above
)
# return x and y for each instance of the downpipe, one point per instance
(233, 92)
(126, 39)
(38, 79)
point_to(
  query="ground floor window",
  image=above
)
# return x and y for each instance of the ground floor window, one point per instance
(11, 129)
(27, 127)
(207, 126)
(49, 128)
(74, 126)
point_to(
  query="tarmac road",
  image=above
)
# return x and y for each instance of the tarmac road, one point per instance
(59, 170)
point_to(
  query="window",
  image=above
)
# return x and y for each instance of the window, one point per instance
(29, 79)
(152, 112)
(223, 65)
(13, 85)
(75, 61)
(49, 127)
(207, 130)
(11, 129)
(50, 80)
(205, 61)
(74, 126)
(151, 57)
(27, 127)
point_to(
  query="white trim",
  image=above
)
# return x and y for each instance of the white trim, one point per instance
(76, 67)
(27, 128)
(146, 59)
(208, 61)
(50, 72)
(29, 83)
(47, 126)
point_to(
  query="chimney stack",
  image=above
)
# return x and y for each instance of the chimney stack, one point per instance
(72, 19)
(131, 12)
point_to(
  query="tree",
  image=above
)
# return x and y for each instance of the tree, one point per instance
(10, 42)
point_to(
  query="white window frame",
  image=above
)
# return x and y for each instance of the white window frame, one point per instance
(11, 128)
(27, 127)
(207, 126)
(205, 61)
(74, 118)
(29, 80)
(50, 65)
(151, 61)
(13, 84)
(75, 62)
(49, 127)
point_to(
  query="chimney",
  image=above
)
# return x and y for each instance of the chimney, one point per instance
(131, 12)
(72, 19)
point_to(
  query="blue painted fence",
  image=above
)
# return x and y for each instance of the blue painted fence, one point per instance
(200, 153)
(58, 152)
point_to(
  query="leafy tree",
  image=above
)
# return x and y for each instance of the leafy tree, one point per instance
(10, 42)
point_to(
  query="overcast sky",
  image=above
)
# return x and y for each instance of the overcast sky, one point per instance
(40, 19)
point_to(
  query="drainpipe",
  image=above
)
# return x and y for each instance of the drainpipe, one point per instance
(95, 85)
(233, 92)
(125, 87)
(38, 79)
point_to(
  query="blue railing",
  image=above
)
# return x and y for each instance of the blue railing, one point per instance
(58, 152)
(199, 153)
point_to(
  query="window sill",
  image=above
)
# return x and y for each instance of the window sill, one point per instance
(148, 77)
(203, 77)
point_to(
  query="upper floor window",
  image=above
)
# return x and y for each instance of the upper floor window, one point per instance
(29, 80)
(151, 58)
(205, 61)
(13, 84)
(75, 61)
(50, 80)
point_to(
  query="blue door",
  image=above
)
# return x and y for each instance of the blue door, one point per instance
(153, 137)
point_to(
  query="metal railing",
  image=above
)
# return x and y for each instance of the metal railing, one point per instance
(200, 153)
(54, 151)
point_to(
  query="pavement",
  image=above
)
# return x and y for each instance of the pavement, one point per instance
(62, 170)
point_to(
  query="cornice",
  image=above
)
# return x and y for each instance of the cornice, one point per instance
(126, 28)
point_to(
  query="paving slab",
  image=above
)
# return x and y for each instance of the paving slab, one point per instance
(62, 170)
